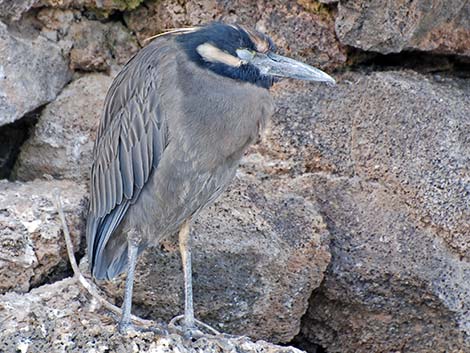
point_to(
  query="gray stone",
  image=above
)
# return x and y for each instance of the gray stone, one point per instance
(258, 254)
(57, 20)
(62, 142)
(32, 73)
(59, 317)
(31, 241)
(387, 157)
(392, 26)
(13, 10)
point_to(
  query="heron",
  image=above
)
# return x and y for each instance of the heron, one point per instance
(176, 122)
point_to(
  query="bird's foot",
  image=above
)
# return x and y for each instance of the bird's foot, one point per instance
(195, 331)
(128, 328)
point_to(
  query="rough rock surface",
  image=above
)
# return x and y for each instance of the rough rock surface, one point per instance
(97, 45)
(103, 5)
(92, 45)
(258, 254)
(389, 165)
(393, 284)
(392, 26)
(31, 240)
(32, 73)
(377, 167)
(13, 10)
(60, 318)
(62, 142)
(305, 35)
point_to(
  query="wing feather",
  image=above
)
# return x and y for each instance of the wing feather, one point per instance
(128, 147)
(126, 172)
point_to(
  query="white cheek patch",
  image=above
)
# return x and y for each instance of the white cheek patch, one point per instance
(213, 54)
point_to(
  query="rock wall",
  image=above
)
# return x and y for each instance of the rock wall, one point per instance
(346, 228)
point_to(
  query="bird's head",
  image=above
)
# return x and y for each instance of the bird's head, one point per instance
(244, 54)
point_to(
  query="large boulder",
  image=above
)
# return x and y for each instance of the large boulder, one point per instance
(393, 283)
(306, 35)
(62, 142)
(258, 254)
(439, 26)
(32, 248)
(32, 73)
(386, 155)
(60, 318)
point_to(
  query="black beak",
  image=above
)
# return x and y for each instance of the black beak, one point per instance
(271, 64)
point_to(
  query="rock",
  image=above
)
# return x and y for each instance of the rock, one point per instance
(59, 317)
(57, 20)
(391, 27)
(102, 5)
(31, 241)
(13, 10)
(305, 35)
(386, 156)
(392, 283)
(32, 73)
(258, 254)
(63, 139)
(97, 45)
(92, 45)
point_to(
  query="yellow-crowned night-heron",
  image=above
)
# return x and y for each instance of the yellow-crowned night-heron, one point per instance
(176, 121)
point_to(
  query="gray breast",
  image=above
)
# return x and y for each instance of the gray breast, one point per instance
(207, 136)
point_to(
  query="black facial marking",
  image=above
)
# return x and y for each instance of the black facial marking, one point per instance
(228, 39)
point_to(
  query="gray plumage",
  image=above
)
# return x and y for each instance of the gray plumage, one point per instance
(165, 149)
(176, 122)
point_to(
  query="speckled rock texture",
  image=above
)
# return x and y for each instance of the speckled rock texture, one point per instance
(98, 45)
(348, 226)
(305, 34)
(390, 172)
(90, 44)
(62, 142)
(32, 247)
(60, 318)
(32, 73)
(258, 254)
(392, 26)
(106, 6)
(13, 10)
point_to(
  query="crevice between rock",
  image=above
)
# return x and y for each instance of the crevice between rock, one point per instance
(419, 61)
(12, 137)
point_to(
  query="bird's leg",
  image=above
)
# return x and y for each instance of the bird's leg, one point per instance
(133, 241)
(189, 322)
(185, 250)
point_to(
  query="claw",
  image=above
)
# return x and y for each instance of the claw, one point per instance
(191, 332)
(125, 328)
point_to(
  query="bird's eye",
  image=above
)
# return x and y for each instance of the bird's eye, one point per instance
(246, 54)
